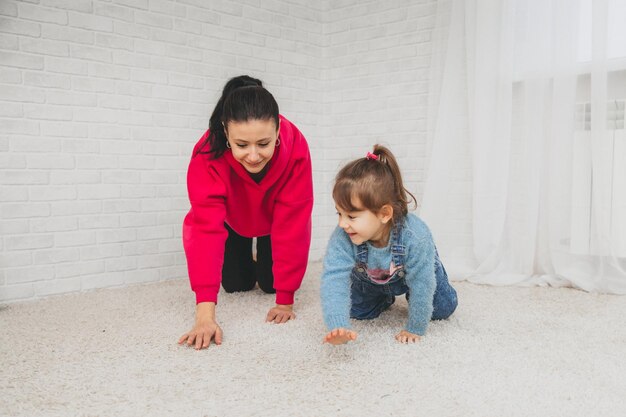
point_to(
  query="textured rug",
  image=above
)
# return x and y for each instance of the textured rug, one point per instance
(507, 351)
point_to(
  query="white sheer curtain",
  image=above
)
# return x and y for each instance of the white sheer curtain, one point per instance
(527, 175)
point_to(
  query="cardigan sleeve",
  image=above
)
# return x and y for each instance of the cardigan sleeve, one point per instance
(291, 229)
(204, 234)
(420, 278)
(335, 283)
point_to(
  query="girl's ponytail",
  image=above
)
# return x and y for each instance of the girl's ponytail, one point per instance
(402, 194)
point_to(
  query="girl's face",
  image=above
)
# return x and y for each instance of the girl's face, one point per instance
(365, 225)
(252, 142)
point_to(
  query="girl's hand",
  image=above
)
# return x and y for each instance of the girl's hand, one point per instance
(204, 330)
(407, 337)
(282, 313)
(340, 336)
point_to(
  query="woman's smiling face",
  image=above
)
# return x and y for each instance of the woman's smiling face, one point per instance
(252, 142)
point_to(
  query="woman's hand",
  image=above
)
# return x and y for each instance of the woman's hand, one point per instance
(205, 328)
(407, 337)
(340, 336)
(282, 313)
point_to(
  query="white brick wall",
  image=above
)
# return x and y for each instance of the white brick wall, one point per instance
(102, 101)
(375, 91)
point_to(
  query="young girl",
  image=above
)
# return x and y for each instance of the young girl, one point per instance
(379, 251)
(249, 176)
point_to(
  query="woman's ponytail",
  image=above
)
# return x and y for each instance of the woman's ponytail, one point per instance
(254, 104)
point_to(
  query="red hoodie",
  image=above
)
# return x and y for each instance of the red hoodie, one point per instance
(280, 205)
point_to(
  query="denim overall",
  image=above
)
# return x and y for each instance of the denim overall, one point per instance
(370, 298)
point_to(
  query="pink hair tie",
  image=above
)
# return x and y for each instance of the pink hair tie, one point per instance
(371, 156)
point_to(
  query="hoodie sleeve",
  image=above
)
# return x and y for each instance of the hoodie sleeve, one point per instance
(204, 234)
(291, 227)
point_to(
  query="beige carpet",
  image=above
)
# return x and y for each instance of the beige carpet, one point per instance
(506, 352)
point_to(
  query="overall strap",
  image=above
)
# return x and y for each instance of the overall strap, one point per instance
(361, 253)
(398, 250)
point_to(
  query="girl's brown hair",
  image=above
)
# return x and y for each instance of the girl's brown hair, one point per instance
(374, 181)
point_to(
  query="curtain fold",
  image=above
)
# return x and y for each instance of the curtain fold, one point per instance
(526, 147)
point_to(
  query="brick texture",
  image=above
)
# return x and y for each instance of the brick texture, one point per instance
(102, 102)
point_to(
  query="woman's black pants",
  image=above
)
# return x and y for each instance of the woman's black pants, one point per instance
(241, 271)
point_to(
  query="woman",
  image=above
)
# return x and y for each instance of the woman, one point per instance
(249, 176)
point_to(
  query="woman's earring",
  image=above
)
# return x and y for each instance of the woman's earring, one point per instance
(278, 142)
(227, 144)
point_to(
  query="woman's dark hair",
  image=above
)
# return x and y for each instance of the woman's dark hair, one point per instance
(374, 181)
(243, 98)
